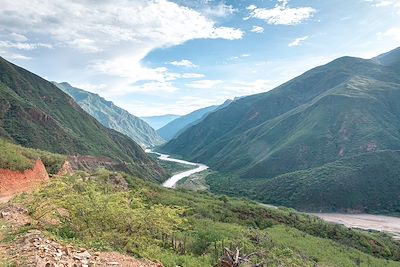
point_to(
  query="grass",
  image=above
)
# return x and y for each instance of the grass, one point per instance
(18, 158)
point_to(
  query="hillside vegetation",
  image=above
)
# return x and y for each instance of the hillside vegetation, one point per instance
(190, 229)
(341, 110)
(35, 113)
(17, 158)
(113, 117)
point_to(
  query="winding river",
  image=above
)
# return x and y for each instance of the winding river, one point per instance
(362, 221)
(171, 182)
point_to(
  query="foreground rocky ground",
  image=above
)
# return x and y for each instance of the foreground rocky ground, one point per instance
(33, 248)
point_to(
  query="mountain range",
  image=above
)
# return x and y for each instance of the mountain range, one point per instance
(327, 140)
(179, 125)
(36, 114)
(112, 116)
(159, 121)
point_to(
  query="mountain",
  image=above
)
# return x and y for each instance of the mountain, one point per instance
(159, 121)
(325, 127)
(35, 113)
(177, 126)
(391, 59)
(112, 116)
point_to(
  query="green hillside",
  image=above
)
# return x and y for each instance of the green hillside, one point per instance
(181, 228)
(351, 184)
(34, 113)
(343, 109)
(113, 117)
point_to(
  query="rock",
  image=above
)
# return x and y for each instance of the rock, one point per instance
(113, 263)
(84, 255)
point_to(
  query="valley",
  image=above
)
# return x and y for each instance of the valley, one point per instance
(199, 133)
(387, 224)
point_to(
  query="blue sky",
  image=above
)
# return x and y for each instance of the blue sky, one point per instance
(155, 57)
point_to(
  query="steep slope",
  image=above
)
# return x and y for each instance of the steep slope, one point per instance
(159, 121)
(391, 59)
(112, 116)
(345, 108)
(35, 113)
(179, 125)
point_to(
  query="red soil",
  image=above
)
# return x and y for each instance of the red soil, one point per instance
(13, 182)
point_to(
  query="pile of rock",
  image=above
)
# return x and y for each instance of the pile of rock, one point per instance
(36, 250)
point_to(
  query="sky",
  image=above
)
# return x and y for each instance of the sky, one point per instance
(154, 57)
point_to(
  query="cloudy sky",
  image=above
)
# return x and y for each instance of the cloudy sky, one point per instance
(155, 57)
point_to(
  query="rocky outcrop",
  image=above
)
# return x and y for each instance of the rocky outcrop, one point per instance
(13, 182)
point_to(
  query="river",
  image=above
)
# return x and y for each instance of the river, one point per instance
(171, 182)
(362, 221)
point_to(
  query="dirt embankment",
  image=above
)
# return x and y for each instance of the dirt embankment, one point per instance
(14, 182)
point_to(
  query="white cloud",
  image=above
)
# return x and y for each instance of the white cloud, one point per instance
(386, 3)
(18, 37)
(184, 63)
(251, 7)
(23, 46)
(257, 29)
(204, 84)
(121, 89)
(281, 14)
(298, 41)
(85, 45)
(153, 87)
(182, 105)
(393, 33)
(13, 56)
(192, 75)
(114, 36)
(220, 10)
(248, 88)
(238, 57)
(106, 22)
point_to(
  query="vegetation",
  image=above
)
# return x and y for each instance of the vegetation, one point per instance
(344, 109)
(182, 228)
(17, 158)
(113, 117)
(35, 113)
(355, 177)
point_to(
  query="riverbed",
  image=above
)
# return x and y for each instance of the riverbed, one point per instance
(381, 223)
